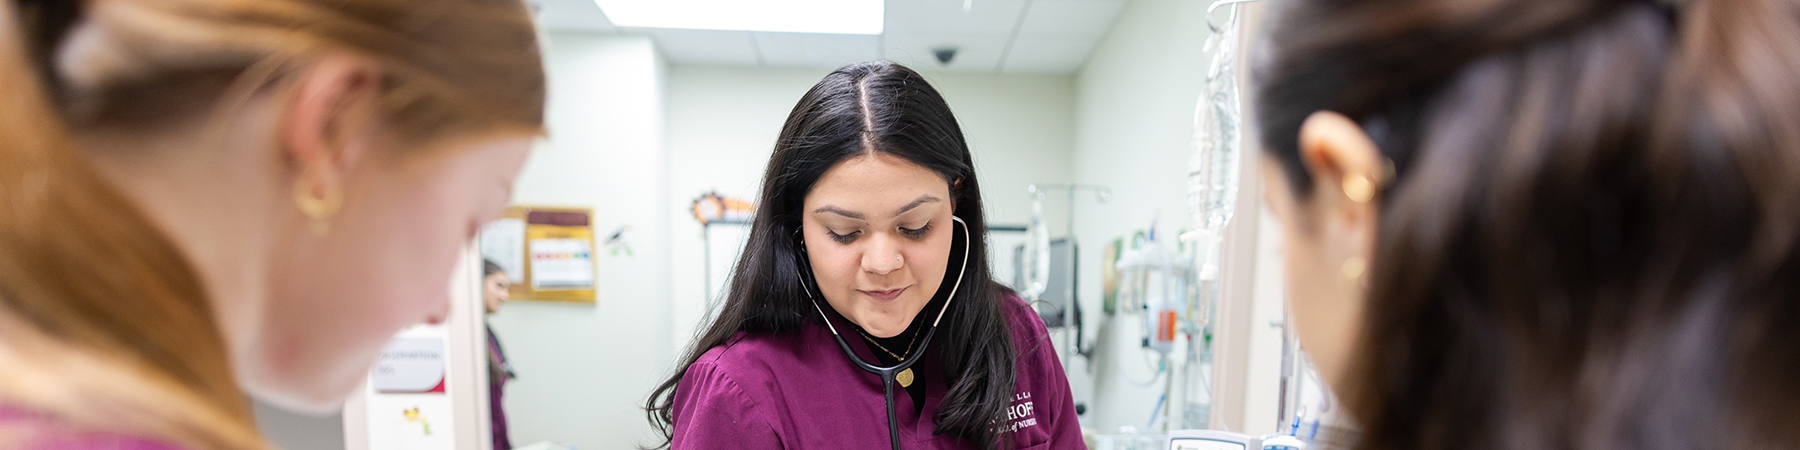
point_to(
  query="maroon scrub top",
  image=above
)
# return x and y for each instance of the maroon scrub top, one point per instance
(26, 430)
(799, 391)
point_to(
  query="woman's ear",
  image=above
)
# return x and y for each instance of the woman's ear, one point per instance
(333, 102)
(955, 186)
(1347, 169)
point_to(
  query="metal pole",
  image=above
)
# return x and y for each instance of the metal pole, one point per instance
(1287, 372)
(706, 257)
(1074, 330)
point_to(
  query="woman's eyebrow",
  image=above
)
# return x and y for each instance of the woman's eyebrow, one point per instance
(839, 211)
(923, 199)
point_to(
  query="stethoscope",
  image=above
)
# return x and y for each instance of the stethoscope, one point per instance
(887, 374)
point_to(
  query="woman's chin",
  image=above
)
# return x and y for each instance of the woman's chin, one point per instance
(883, 328)
(883, 325)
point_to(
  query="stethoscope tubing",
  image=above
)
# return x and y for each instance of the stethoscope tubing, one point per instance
(887, 373)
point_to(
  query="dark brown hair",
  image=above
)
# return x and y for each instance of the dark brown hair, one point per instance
(1591, 241)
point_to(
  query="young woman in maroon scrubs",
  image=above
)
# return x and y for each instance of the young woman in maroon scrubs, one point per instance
(869, 229)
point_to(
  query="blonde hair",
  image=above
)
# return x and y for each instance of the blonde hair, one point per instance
(103, 323)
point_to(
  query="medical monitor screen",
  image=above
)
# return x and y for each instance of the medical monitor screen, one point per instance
(1203, 444)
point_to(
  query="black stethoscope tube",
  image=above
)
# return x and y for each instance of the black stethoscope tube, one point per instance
(887, 378)
(887, 373)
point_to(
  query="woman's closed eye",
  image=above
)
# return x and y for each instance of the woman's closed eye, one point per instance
(909, 233)
(844, 238)
(915, 233)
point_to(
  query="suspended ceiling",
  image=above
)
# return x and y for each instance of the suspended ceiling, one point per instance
(992, 36)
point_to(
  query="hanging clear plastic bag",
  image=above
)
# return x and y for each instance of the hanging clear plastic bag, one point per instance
(1037, 253)
(1213, 167)
(1213, 162)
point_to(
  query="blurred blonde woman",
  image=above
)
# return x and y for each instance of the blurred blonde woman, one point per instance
(203, 199)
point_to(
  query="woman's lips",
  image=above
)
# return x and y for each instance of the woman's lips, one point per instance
(884, 296)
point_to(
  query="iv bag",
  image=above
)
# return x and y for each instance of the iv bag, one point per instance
(1213, 163)
(1037, 254)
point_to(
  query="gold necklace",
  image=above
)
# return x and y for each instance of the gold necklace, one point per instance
(905, 377)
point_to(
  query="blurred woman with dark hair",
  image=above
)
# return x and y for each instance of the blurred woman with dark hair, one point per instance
(1543, 224)
(495, 290)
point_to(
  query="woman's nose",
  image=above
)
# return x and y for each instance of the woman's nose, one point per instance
(882, 258)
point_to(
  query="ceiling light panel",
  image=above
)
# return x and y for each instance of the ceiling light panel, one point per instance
(792, 16)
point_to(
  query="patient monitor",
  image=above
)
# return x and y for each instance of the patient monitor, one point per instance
(1211, 440)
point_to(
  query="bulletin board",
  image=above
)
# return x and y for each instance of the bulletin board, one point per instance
(547, 252)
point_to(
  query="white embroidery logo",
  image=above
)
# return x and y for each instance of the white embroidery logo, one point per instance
(1022, 413)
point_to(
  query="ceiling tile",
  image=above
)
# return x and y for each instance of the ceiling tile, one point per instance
(1048, 55)
(702, 46)
(1069, 18)
(975, 53)
(572, 15)
(815, 50)
(984, 17)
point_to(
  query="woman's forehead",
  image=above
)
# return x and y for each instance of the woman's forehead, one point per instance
(878, 184)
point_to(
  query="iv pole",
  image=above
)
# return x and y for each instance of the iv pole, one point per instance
(1101, 194)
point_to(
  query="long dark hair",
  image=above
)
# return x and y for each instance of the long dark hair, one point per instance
(1592, 238)
(856, 110)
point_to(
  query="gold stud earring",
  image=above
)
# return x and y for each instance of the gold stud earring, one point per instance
(318, 208)
(1353, 269)
(1359, 188)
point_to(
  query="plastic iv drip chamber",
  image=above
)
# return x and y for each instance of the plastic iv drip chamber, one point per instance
(1037, 252)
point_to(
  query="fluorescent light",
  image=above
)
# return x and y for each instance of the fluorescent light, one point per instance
(793, 16)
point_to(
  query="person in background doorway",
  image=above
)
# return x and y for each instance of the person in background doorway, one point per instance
(494, 287)
(203, 201)
(1542, 224)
